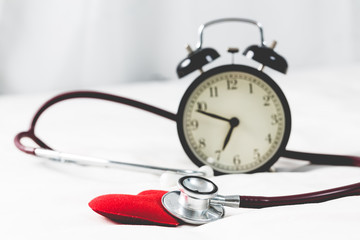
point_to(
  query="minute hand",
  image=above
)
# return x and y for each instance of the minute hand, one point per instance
(213, 115)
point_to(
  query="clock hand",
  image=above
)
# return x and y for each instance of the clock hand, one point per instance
(227, 137)
(234, 122)
(213, 115)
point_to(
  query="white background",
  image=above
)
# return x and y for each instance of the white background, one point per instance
(69, 44)
(48, 46)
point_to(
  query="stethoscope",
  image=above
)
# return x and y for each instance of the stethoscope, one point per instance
(197, 201)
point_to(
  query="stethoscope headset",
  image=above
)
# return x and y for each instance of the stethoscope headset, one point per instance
(197, 201)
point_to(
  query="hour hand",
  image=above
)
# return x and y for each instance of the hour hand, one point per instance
(234, 122)
(213, 115)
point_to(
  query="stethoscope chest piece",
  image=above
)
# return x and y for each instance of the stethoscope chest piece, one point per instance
(192, 203)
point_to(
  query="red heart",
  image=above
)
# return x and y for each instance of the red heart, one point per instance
(144, 208)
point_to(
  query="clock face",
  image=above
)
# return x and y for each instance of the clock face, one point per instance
(235, 119)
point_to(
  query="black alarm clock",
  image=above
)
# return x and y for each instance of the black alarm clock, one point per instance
(234, 118)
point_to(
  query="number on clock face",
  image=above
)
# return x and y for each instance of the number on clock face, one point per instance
(234, 121)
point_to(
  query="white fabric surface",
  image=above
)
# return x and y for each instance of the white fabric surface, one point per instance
(44, 200)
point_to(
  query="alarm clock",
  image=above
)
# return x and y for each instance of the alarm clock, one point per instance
(234, 118)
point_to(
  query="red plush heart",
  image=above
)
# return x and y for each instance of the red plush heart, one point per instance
(144, 208)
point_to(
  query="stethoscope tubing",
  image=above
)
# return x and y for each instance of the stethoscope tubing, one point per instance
(313, 197)
(197, 193)
(315, 158)
(81, 94)
(323, 159)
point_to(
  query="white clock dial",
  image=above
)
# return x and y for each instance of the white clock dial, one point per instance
(234, 121)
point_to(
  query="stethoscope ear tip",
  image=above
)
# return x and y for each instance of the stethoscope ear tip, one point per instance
(207, 170)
